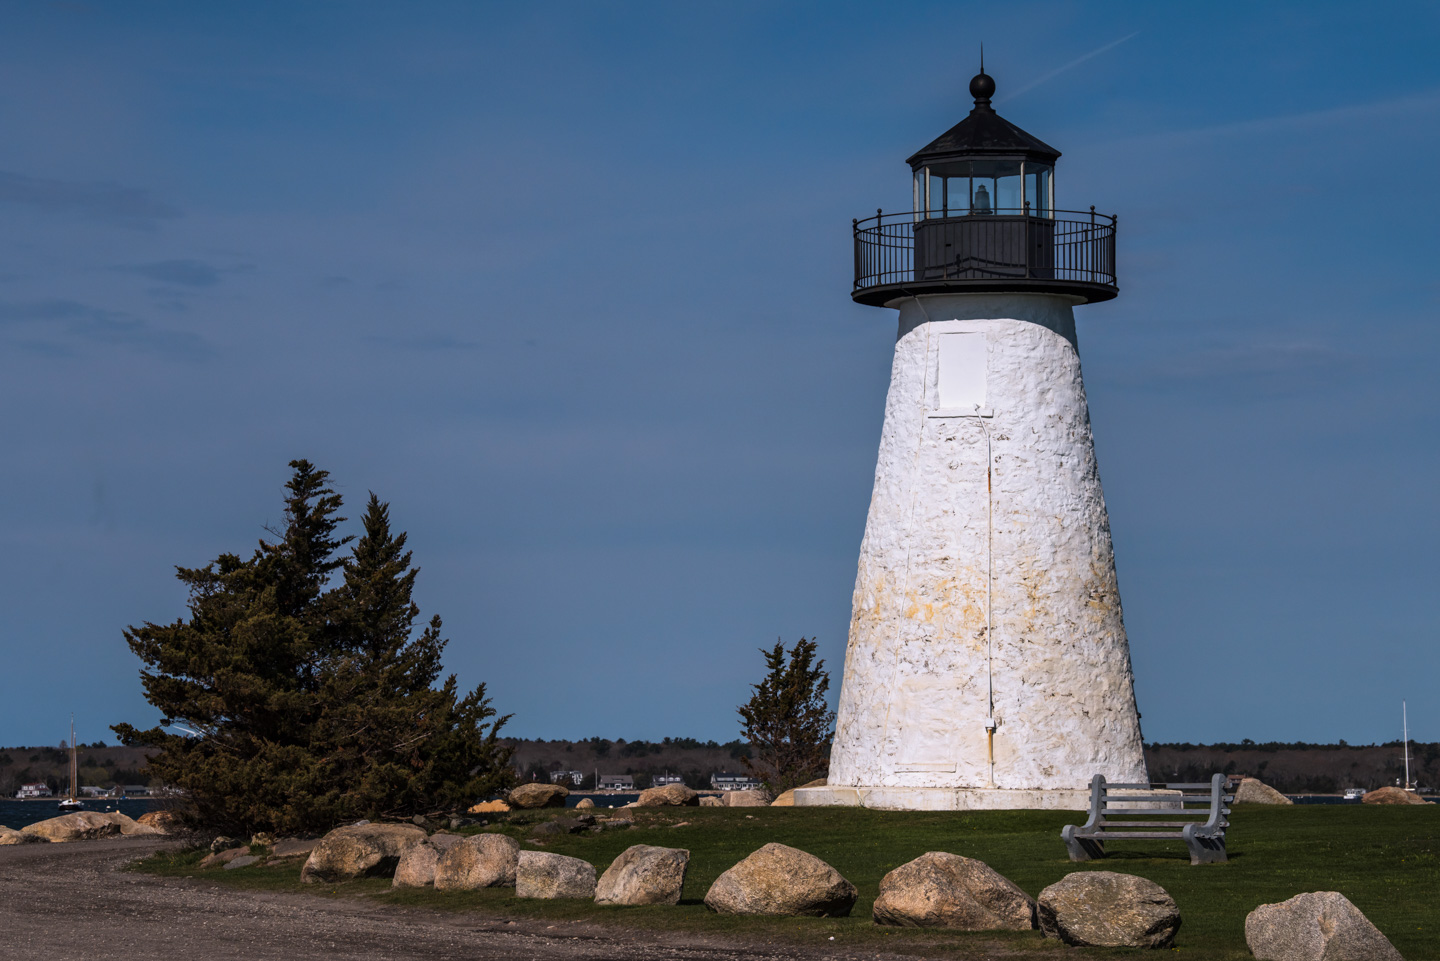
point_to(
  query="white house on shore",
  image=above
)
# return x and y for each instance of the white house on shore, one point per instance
(722, 781)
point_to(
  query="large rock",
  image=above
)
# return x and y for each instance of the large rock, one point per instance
(293, 847)
(166, 822)
(644, 874)
(787, 798)
(12, 836)
(671, 795)
(360, 851)
(939, 890)
(540, 874)
(779, 880)
(584, 802)
(417, 866)
(479, 861)
(1392, 795)
(1254, 791)
(1319, 926)
(711, 801)
(746, 799)
(80, 826)
(1103, 909)
(537, 795)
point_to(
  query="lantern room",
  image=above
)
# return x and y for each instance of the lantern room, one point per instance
(984, 219)
(984, 165)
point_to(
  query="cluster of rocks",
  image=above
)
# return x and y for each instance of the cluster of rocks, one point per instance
(536, 795)
(89, 825)
(936, 890)
(643, 874)
(232, 853)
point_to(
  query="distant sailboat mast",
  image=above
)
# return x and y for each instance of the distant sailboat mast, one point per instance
(74, 765)
(72, 802)
(1405, 730)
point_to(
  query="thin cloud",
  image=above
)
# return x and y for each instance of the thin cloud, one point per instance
(1427, 101)
(102, 202)
(54, 326)
(185, 273)
(1071, 65)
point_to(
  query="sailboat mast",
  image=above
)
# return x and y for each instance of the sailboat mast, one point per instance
(74, 766)
(1405, 729)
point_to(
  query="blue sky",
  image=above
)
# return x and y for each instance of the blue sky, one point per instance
(568, 285)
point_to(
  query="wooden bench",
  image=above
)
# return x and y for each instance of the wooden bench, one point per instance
(1193, 813)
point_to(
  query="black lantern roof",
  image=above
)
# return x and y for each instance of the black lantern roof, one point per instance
(983, 135)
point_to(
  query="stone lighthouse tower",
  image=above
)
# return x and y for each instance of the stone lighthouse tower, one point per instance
(987, 664)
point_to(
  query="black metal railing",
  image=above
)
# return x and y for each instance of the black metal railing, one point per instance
(990, 249)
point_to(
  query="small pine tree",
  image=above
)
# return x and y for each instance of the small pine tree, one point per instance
(787, 720)
(309, 703)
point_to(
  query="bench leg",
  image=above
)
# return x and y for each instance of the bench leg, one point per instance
(1206, 850)
(1082, 849)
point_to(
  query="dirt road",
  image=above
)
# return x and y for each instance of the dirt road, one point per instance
(72, 902)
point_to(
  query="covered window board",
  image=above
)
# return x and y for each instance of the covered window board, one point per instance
(962, 371)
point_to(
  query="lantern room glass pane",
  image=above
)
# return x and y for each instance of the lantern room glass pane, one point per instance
(995, 187)
(1037, 189)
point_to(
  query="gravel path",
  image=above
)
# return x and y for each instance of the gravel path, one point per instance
(72, 902)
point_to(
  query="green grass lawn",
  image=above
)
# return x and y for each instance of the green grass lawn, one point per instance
(1384, 859)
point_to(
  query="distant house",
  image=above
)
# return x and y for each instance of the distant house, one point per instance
(93, 791)
(566, 777)
(660, 780)
(136, 790)
(616, 782)
(38, 789)
(721, 781)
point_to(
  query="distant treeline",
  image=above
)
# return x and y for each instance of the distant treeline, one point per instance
(689, 758)
(100, 766)
(1273, 746)
(1298, 767)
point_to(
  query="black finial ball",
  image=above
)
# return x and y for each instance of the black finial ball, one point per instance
(982, 87)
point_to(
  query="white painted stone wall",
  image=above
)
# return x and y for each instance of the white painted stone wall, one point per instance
(913, 702)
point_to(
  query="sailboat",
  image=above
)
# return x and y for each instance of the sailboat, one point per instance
(72, 802)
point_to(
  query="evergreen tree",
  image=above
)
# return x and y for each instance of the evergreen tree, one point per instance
(787, 720)
(399, 744)
(309, 703)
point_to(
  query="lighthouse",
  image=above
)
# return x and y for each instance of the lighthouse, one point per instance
(987, 664)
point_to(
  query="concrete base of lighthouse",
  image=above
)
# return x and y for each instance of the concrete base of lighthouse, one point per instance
(941, 799)
(987, 665)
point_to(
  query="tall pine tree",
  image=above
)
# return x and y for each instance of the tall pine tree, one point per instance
(400, 745)
(308, 703)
